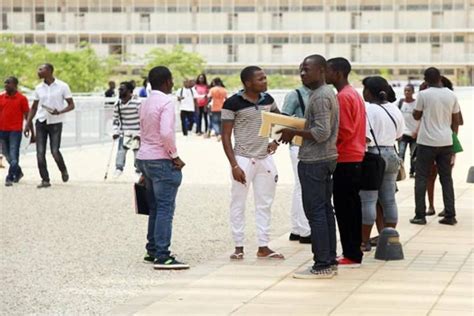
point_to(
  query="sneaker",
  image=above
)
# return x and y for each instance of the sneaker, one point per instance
(431, 212)
(348, 263)
(305, 240)
(418, 221)
(448, 221)
(43, 184)
(442, 214)
(294, 237)
(311, 273)
(169, 263)
(18, 178)
(8, 183)
(117, 173)
(149, 258)
(65, 176)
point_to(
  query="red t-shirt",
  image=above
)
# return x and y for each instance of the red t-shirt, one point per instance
(351, 136)
(12, 110)
(202, 90)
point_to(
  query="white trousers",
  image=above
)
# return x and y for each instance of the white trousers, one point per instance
(262, 175)
(299, 222)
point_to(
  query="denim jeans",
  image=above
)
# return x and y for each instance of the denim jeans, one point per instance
(216, 122)
(386, 194)
(316, 186)
(402, 147)
(162, 183)
(426, 155)
(122, 155)
(11, 146)
(347, 179)
(54, 132)
(187, 119)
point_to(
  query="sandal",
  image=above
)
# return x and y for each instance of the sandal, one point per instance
(237, 256)
(272, 255)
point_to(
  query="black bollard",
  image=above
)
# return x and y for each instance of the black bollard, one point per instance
(389, 246)
(470, 175)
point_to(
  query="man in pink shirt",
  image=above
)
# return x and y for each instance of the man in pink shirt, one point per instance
(158, 160)
(350, 149)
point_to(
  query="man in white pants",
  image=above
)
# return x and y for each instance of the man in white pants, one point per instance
(294, 105)
(250, 159)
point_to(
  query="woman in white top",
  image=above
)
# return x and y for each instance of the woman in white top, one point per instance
(387, 124)
(407, 105)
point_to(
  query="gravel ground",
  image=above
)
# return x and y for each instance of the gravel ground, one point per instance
(77, 248)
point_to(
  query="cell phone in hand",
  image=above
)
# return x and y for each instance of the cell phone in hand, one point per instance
(47, 108)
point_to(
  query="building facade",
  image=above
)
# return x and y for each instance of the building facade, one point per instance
(401, 37)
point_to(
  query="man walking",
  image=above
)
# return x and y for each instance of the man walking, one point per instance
(158, 160)
(294, 105)
(438, 109)
(351, 145)
(187, 104)
(13, 110)
(49, 108)
(317, 157)
(126, 125)
(250, 159)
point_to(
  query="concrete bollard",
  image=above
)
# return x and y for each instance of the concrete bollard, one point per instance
(389, 246)
(470, 175)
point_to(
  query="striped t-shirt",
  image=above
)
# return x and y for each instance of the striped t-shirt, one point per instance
(126, 119)
(247, 118)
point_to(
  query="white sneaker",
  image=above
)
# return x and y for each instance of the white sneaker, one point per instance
(117, 173)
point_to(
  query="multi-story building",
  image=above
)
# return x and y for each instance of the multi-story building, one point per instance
(402, 37)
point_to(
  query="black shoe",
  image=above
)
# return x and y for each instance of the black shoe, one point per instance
(43, 184)
(8, 183)
(305, 240)
(430, 212)
(442, 214)
(169, 263)
(448, 221)
(149, 258)
(18, 178)
(418, 221)
(412, 176)
(294, 237)
(65, 176)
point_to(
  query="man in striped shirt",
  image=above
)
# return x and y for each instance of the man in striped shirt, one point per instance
(126, 125)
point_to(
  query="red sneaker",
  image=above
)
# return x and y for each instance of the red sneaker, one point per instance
(347, 263)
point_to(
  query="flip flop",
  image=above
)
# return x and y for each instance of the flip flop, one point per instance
(237, 256)
(273, 255)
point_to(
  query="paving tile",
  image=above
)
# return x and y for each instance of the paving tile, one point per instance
(282, 310)
(335, 284)
(440, 312)
(368, 310)
(396, 301)
(455, 303)
(401, 287)
(199, 295)
(195, 309)
(292, 297)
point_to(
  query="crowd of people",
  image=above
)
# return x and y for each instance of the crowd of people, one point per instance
(348, 159)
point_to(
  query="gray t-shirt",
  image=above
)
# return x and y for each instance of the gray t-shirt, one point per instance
(322, 119)
(438, 106)
(247, 118)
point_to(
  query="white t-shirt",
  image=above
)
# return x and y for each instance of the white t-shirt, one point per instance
(189, 94)
(438, 105)
(52, 96)
(411, 125)
(385, 131)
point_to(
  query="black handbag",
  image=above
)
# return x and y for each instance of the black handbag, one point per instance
(141, 202)
(373, 168)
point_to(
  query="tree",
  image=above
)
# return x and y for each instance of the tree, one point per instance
(82, 69)
(182, 64)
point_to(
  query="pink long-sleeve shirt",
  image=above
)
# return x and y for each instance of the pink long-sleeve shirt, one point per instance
(157, 128)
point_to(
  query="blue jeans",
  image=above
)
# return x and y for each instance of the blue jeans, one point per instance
(402, 147)
(122, 155)
(162, 183)
(11, 146)
(316, 186)
(386, 194)
(216, 122)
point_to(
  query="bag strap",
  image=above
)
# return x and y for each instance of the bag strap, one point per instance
(300, 100)
(400, 103)
(391, 117)
(373, 134)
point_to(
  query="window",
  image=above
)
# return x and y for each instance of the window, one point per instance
(307, 8)
(278, 40)
(306, 39)
(161, 39)
(295, 39)
(183, 39)
(228, 39)
(114, 40)
(459, 39)
(387, 39)
(244, 9)
(249, 39)
(411, 39)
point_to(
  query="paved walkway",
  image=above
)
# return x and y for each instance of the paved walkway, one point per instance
(436, 277)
